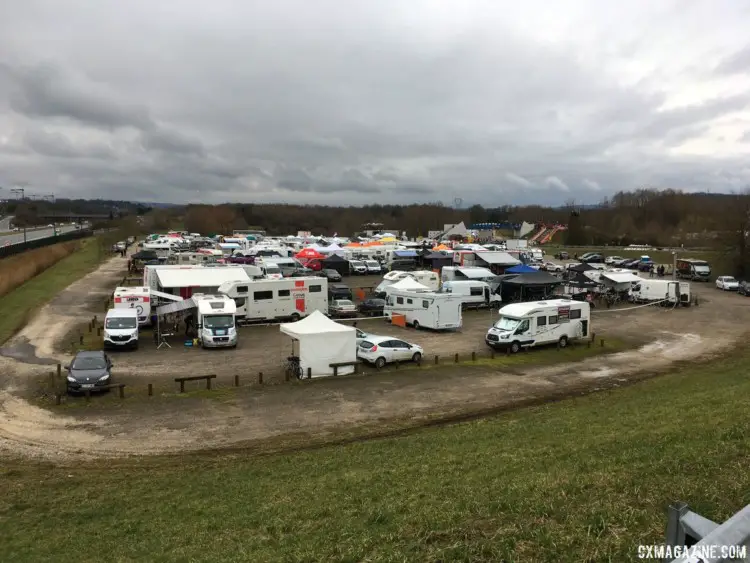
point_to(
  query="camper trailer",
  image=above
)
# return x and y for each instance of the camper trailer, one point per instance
(695, 270)
(474, 273)
(472, 293)
(215, 321)
(556, 321)
(667, 291)
(121, 328)
(270, 300)
(438, 311)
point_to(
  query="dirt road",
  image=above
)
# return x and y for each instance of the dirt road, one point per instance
(309, 411)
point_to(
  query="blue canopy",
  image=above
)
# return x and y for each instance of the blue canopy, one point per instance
(521, 269)
(405, 253)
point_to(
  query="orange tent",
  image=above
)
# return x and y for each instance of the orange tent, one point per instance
(373, 243)
(354, 244)
(442, 247)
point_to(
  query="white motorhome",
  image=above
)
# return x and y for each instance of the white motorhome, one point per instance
(425, 277)
(523, 325)
(270, 300)
(141, 299)
(667, 291)
(215, 321)
(438, 311)
(121, 328)
(451, 273)
(189, 279)
(472, 293)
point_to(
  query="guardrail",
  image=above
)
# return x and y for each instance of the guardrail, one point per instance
(21, 247)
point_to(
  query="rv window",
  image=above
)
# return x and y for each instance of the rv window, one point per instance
(284, 293)
(425, 304)
(475, 291)
(263, 295)
(400, 300)
(541, 321)
(575, 313)
(409, 301)
(241, 289)
(553, 319)
(239, 301)
(314, 289)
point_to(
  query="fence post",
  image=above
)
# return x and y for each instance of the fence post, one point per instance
(456, 359)
(182, 386)
(208, 383)
(59, 370)
(473, 356)
(150, 389)
(88, 395)
(236, 380)
(397, 364)
(122, 391)
(57, 398)
(80, 338)
(437, 360)
(309, 373)
(492, 354)
(260, 378)
(601, 343)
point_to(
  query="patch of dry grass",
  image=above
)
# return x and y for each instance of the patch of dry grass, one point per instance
(17, 270)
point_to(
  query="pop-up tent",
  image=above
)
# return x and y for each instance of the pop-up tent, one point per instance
(333, 249)
(320, 342)
(336, 262)
(520, 269)
(408, 284)
(309, 254)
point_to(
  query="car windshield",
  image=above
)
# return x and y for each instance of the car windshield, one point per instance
(702, 268)
(120, 322)
(89, 363)
(344, 302)
(361, 334)
(729, 279)
(507, 323)
(372, 263)
(273, 270)
(218, 321)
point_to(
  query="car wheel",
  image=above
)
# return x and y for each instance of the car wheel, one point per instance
(416, 358)
(380, 362)
(416, 325)
(295, 317)
(563, 342)
(515, 348)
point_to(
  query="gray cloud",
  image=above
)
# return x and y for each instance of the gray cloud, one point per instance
(486, 101)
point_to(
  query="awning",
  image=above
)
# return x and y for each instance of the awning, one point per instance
(621, 277)
(167, 296)
(405, 253)
(499, 258)
(176, 307)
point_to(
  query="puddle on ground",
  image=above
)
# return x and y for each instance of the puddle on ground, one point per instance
(25, 353)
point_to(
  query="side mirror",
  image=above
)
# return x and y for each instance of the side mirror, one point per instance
(67, 367)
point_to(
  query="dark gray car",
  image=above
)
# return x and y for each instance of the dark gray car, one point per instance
(89, 371)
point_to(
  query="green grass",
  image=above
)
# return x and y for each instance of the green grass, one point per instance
(587, 479)
(18, 305)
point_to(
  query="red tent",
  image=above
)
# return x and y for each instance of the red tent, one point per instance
(309, 254)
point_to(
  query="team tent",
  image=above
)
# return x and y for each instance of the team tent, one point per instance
(529, 286)
(309, 254)
(407, 284)
(336, 262)
(319, 342)
(520, 269)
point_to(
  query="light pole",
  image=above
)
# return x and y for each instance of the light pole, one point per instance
(674, 264)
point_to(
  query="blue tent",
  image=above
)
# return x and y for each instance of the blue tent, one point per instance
(521, 269)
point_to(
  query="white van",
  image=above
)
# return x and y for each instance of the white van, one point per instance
(438, 311)
(216, 325)
(668, 291)
(472, 293)
(121, 328)
(557, 321)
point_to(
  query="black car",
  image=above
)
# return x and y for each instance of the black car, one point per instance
(562, 255)
(372, 307)
(330, 275)
(646, 266)
(592, 259)
(631, 264)
(89, 371)
(339, 291)
(744, 288)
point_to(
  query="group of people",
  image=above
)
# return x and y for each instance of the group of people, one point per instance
(659, 271)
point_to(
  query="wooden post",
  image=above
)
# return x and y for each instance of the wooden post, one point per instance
(208, 383)
(492, 354)
(236, 380)
(91, 328)
(99, 331)
(122, 391)
(260, 378)
(59, 370)
(309, 373)
(456, 359)
(88, 395)
(507, 350)
(182, 386)
(80, 338)
(95, 320)
(57, 398)
(437, 360)
(150, 390)
(397, 364)
(588, 344)
(593, 337)
(419, 362)
(473, 356)
(601, 343)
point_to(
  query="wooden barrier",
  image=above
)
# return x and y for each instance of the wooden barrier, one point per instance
(398, 320)
(182, 380)
(338, 365)
(119, 386)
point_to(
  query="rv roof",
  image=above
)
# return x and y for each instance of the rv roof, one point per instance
(200, 277)
(517, 310)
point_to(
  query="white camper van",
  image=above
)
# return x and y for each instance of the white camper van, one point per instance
(473, 293)
(557, 321)
(668, 291)
(215, 321)
(438, 311)
(121, 328)
(270, 300)
(461, 273)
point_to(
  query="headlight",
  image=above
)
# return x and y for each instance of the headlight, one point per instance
(103, 377)
(106, 334)
(71, 379)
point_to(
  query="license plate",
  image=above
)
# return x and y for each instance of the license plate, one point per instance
(87, 386)
(220, 333)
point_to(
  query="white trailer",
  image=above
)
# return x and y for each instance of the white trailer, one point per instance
(141, 299)
(451, 273)
(215, 321)
(472, 293)
(438, 311)
(556, 321)
(668, 291)
(284, 299)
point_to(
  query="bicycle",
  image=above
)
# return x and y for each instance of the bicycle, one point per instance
(293, 368)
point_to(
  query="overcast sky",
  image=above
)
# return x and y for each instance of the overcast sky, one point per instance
(389, 101)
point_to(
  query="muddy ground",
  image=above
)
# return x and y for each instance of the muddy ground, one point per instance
(321, 409)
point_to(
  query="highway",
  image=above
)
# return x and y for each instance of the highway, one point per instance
(31, 234)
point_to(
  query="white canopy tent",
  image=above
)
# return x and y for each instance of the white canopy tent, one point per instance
(408, 284)
(332, 249)
(322, 342)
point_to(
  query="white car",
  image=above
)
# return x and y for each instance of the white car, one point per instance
(613, 259)
(342, 308)
(373, 266)
(552, 267)
(727, 283)
(357, 267)
(381, 350)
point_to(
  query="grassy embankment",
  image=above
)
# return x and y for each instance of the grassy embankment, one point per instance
(586, 479)
(20, 303)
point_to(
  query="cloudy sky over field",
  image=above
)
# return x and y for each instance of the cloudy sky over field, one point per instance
(361, 101)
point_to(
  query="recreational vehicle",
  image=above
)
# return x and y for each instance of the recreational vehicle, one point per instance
(667, 291)
(438, 311)
(474, 273)
(556, 321)
(270, 300)
(472, 293)
(691, 269)
(215, 321)
(121, 328)
(136, 298)
(425, 277)
(187, 280)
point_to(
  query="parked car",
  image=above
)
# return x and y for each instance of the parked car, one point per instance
(339, 291)
(551, 267)
(89, 371)
(372, 307)
(373, 266)
(727, 283)
(744, 288)
(342, 308)
(357, 267)
(646, 266)
(330, 275)
(381, 350)
(592, 258)
(562, 255)
(631, 264)
(613, 259)
(620, 261)
(362, 336)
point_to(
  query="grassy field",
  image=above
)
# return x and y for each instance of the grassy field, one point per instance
(586, 479)
(19, 304)
(17, 270)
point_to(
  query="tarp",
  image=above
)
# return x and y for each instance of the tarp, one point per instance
(408, 284)
(336, 262)
(405, 253)
(322, 342)
(621, 277)
(176, 307)
(145, 255)
(333, 249)
(309, 254)
(533, 278)
(438, 256)
(520, 269)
